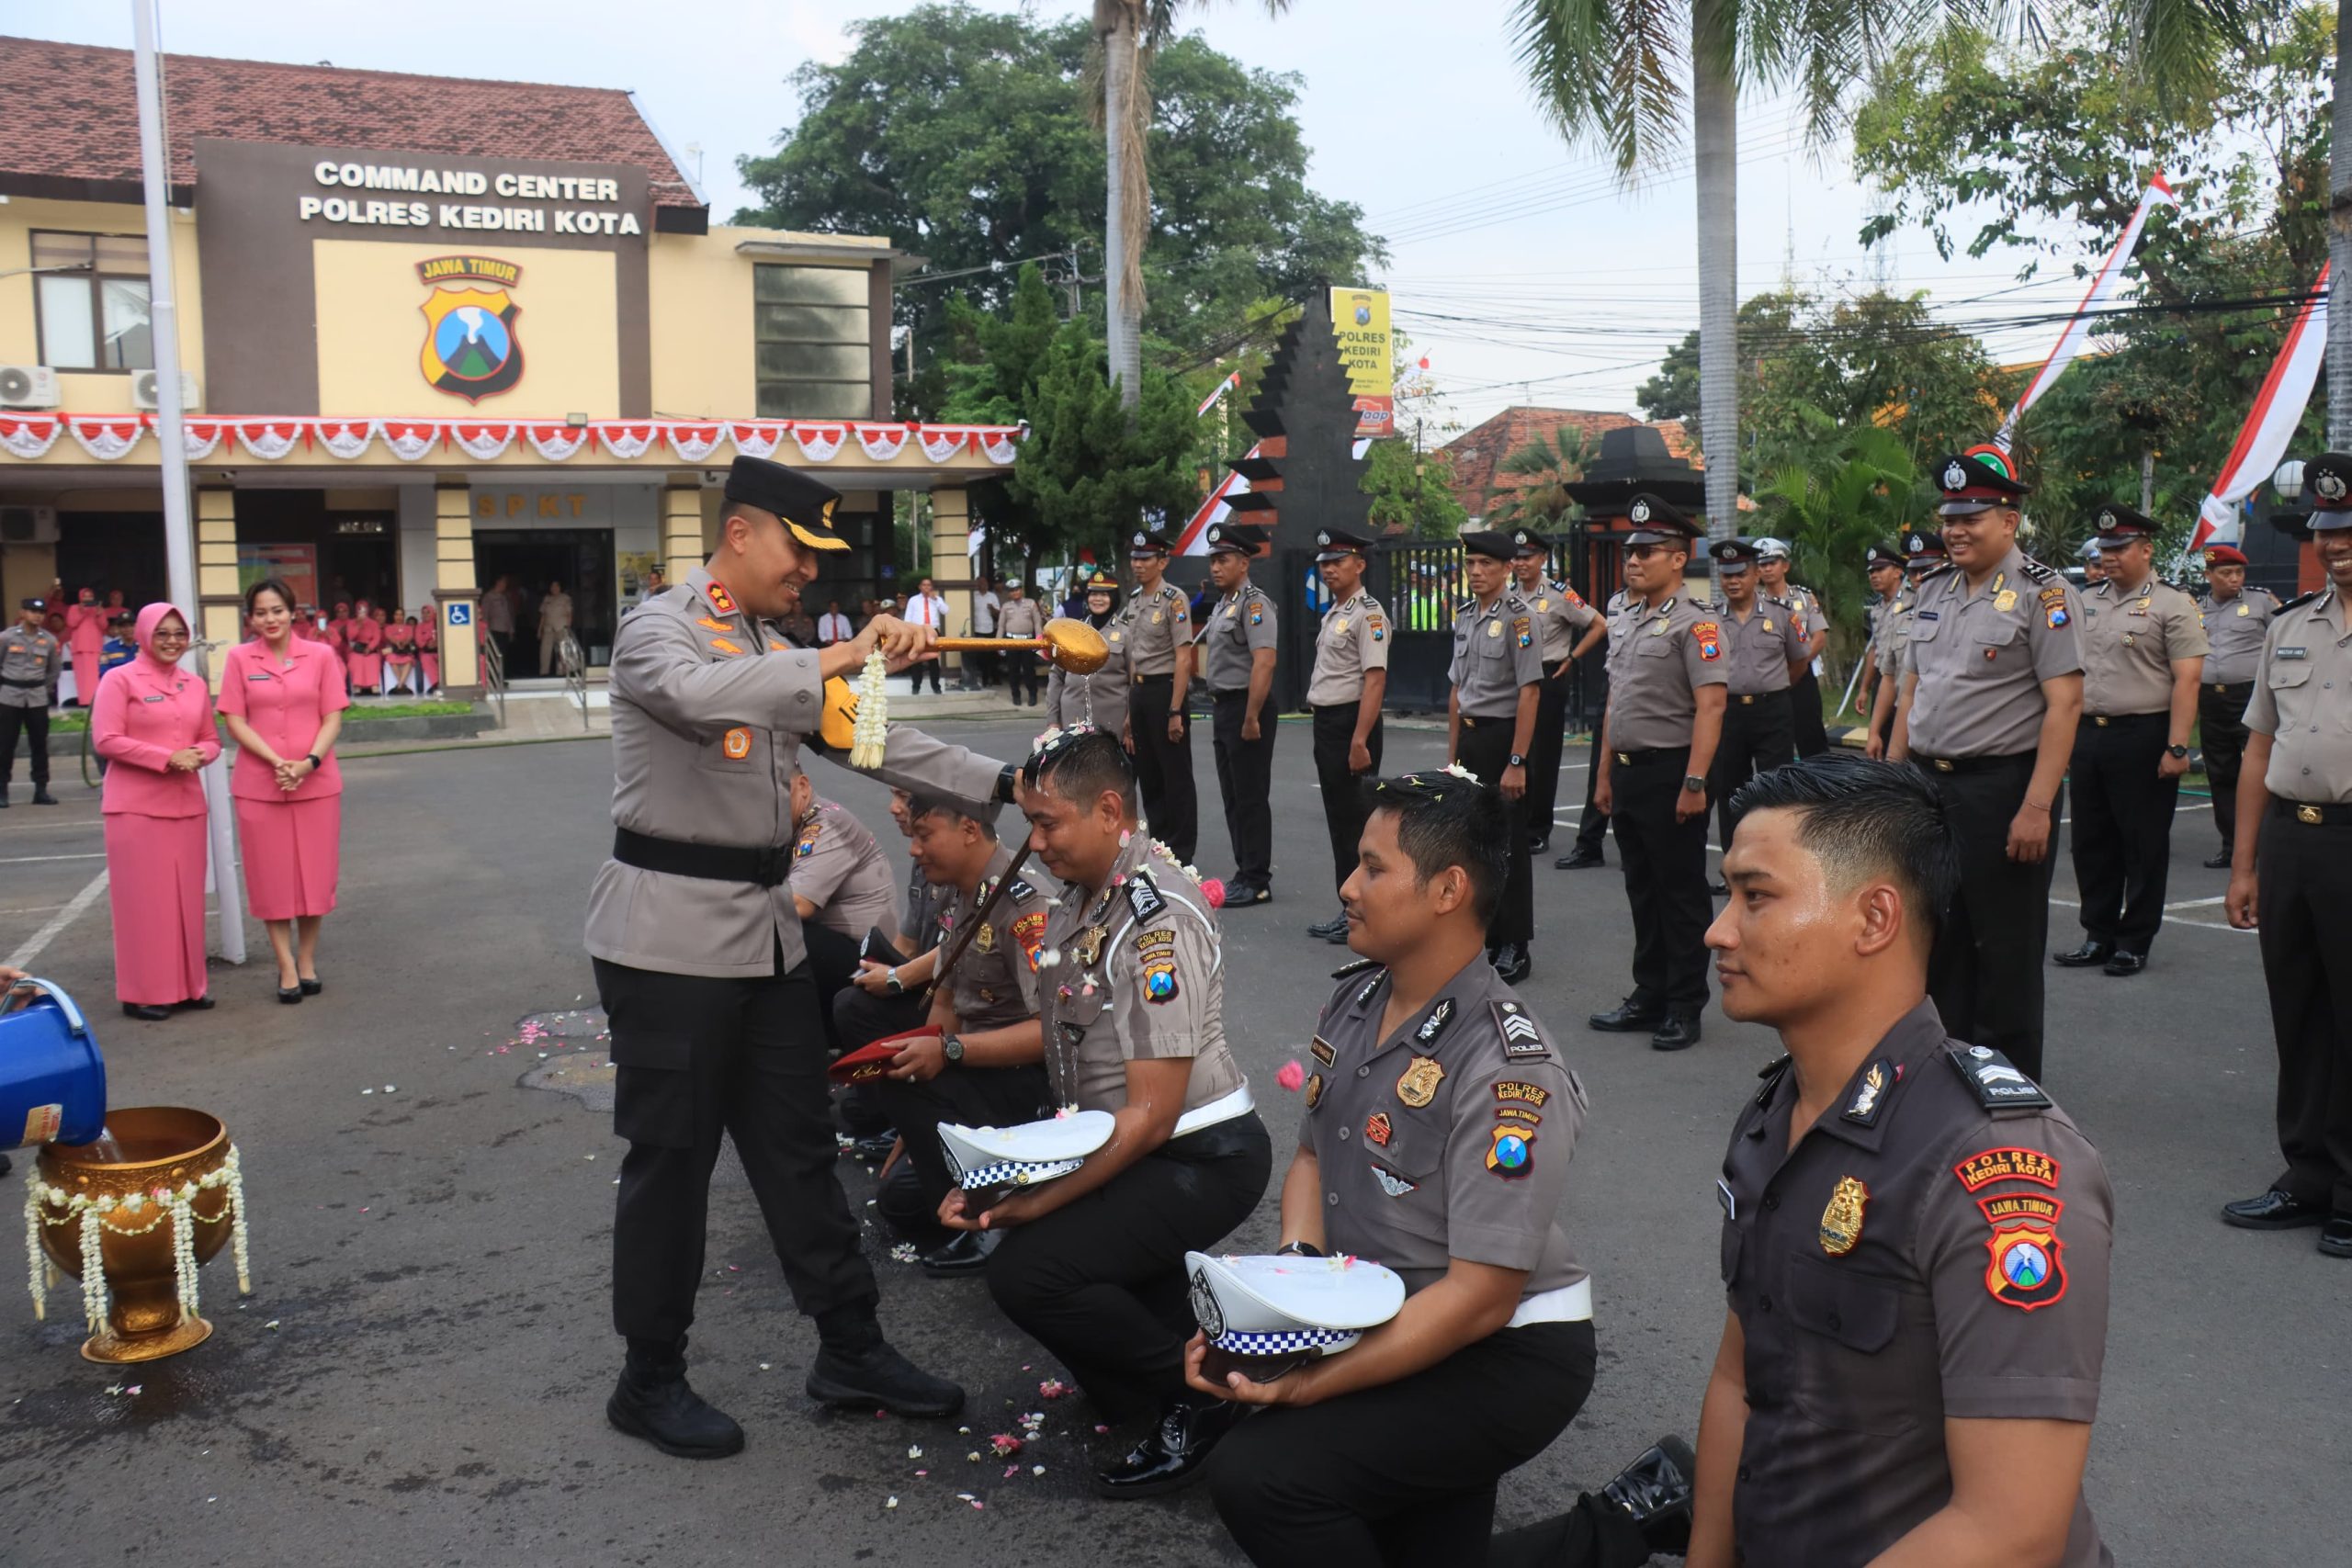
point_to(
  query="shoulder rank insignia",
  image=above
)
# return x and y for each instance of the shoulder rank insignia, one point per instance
(720, 600)
(1869, 1099)
(1771, 1072)
(714, 625)
(1989, 1076)
(1441, 1017)
(1841, 1219)
(2036, 571)
(721, 645)
(1520, 1036)
(1357, 967)
(1144, 897)
(1020, 891)
(2302, 599)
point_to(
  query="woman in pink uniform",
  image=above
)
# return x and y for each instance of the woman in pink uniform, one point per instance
(428, 646)
(153, 722)
(400, 655)
(364, 640)
(284, 702)
(86, 634)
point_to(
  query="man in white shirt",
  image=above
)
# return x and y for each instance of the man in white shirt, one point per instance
(833, 626)
(926, 608)
(983, 667)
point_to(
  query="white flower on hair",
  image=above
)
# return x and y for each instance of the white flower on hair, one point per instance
(1046, 738)
(1459, 772)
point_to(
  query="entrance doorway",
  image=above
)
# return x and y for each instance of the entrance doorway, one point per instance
(531, 559)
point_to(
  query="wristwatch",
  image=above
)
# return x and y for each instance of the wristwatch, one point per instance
(1693, 781)
(890, 981)
(2176, 750)
(1517, 761)
(951, 1048)
(315, 764)
(1299, 1249)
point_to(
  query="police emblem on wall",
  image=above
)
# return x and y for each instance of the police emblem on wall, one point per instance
(470, 349)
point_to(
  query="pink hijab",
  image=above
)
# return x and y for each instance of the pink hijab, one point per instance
(149, 619)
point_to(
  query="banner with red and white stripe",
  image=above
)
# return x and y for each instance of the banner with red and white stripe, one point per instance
(2104, 283)
(2270, 425)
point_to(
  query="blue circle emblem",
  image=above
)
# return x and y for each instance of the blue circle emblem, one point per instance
(2025, 1264)
(471, 343)
(1160, 983)
(1511, 1151)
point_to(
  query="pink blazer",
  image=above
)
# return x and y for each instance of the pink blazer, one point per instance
(286, 704)
(141, 719)
(85, 628)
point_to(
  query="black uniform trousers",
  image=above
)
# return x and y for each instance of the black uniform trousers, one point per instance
(1665, 878)
(2299, 910)
(33, 723)
(1344, 809)
(1806, 727)
(2121, 827)
(696, 1057)
(2220, 732)
(1366, 1479)
(1486, 752)
(1100, 1282)
(1245, 780)
(1543, 753)
(1020, 675)
(1164, 767)
(1756, 739)
(1985, 975)
(1593, 826)
(976, 1097)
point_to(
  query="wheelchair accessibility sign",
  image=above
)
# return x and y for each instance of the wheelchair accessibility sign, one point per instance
(462, 615)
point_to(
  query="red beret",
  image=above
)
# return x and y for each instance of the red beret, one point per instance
(2223, 555)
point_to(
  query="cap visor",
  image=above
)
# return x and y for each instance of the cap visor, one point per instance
(1969, 508)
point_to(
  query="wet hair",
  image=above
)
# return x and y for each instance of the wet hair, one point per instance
(1446, 819)
(1864, 820)
(946, 806)
(269, 585)
(1080, 764)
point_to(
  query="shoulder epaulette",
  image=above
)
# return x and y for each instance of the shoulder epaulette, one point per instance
(2036, 571)
(1356, 967)
(1019, 890)
(1784, 603)
(1772, 1072)
(1143, 896)
(2302, 599)
(1523, 1040)
(1466, 606)
(1933, 572)
(1997, 1085)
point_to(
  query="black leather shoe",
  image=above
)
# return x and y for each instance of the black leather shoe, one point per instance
(1336, 926)
(1679, 1032)
(41, 795)
(874, 1148)
(1539, 845)
(145, 1013)
(196, 1004)
(290, 994)
(2218, 861)
(311, 987)
(967, 1254)
(1656, 1489)
(1511, 962)
(2335, 1236)
(2090, 955)
(2273, 1210)
(1172, 1454)
(1628, 1017)
(876, 1377)
(2126, 962)
(1579, 859)
(653, 1401)
(1239, 894)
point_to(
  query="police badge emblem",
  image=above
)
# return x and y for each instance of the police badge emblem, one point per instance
(1417, 1086)
(1842, 1221)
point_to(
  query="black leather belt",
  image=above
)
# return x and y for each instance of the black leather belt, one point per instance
(1654, 754)
(2311, 814)
(1750, 699)
(1142, 679)
(2228, 686)
(26, 685)
(1471, 721)
(1227, 694)
(1972, 764)
(2123, 720)
(765, 865)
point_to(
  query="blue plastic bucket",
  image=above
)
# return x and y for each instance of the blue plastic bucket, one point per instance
(52, 1080)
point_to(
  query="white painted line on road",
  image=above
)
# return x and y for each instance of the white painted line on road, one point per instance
(30, 860)
(65, 916)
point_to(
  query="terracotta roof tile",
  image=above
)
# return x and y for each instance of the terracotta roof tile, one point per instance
(1479, 453)
(74, 117)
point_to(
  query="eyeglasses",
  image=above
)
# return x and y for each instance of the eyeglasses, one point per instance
(162, 635)
(1643, 552)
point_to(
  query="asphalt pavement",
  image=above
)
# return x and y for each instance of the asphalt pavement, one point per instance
(420, 1375)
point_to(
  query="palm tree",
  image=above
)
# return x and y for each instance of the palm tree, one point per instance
(1126, 33)
(1831, 508)
(1552, 464)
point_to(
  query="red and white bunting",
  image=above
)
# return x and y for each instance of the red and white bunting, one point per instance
(626, 440)
(556, 443)
(938, 444)
(411, 439)
(996, 442)
(28, 435)
(481, 440)
(819, 443)
(107, 438)
(756, 438)
(344, 438)
(269, 439)
(881, 442)
(693, 443)
(202, 436)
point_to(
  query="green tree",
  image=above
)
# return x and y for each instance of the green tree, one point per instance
(1550, 466)
(1412, 491)
(1831, 511)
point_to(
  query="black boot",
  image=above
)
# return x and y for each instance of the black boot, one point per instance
(1656, 1489)
(855, 1366)
(1173, 1452)
(653, 1401)
(41, 795)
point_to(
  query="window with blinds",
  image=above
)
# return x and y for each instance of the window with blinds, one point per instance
(813, 336)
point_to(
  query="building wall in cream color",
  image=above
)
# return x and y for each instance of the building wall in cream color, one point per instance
(371, 332)
(88, 391)
(701, 314)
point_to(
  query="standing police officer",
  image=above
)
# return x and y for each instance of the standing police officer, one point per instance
(1159, 627)
(1667, 681)
(2235, 618)
(1991, 687)
(30, 660)
(1237, 654)
(701, 965)
(1923, 552)
(1099, 699)
(1345, 694)
(1768, 647)
(1883, 565)
(1804, 695)
(2142, 646)
(1566, 630)
(1490, 715)
(1021, 615)
(1592, 827)
(2294, 876)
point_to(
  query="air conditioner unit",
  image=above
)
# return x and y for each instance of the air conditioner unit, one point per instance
(27, 525)
(27, 387)
(144, 385)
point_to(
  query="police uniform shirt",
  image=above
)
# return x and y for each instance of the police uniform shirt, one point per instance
(1658, 658)
(1935, 1246)
(1139, 976)
(2234, 634)
(837, 866)
(1019, 617)
(1890, 632)
(1449, 1139)
(1352, 640)
(1494, 655)
(1980, 658)
(1805, 601)
(2303, 696)
(995, 980)
(2128, 643)
(707, 721)
(1157, 624)
(1099, 699)
(1761, 647)
(28, 666)
(926, 901)
(1561, 615)
(1242, 623)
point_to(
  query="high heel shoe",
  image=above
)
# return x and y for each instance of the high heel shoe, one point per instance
(312, 986)
(145, 1011)
(290, 994)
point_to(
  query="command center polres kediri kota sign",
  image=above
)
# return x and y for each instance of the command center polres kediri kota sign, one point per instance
(550, 193)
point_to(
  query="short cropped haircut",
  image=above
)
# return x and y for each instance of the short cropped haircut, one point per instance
(1080, 764)
(1864, 820)
(947, 805)
(1444, 819)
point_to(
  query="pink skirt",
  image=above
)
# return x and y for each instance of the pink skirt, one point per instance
(293, 853)
(155, 888)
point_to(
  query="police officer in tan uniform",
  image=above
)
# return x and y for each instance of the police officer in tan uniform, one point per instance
(30, 660)
(2237, 617)
(840, 877)
(1495, 680)
(701, 963)
(1343, 695)
(2142, 646)
(1668, 681)
(1099, 699)
(1159, 634)
(1567, 628)
(1236, 647)
(1923, 551)
(1811, 733)
(1765, 647)
(1021, 615)
(2294, 877)
(1882, 567)
(1992, 688)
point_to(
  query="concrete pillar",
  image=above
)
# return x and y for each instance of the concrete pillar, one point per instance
(682, 530)
(457, 591)
(950, 564)
(220, 611)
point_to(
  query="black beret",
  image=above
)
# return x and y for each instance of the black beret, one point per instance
(1486, 542)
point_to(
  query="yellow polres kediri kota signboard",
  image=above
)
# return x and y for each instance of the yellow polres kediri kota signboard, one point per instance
(1360, 320)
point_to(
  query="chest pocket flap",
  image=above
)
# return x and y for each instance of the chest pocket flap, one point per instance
(1859, 1311)
(2288, 673)
(1416, 1152)
(1997, 633)
(1654, 647)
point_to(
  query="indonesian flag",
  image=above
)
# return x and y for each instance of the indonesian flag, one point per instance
(2104, 284)
(2270, 425)
(1222, 388)
(1194, 540)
